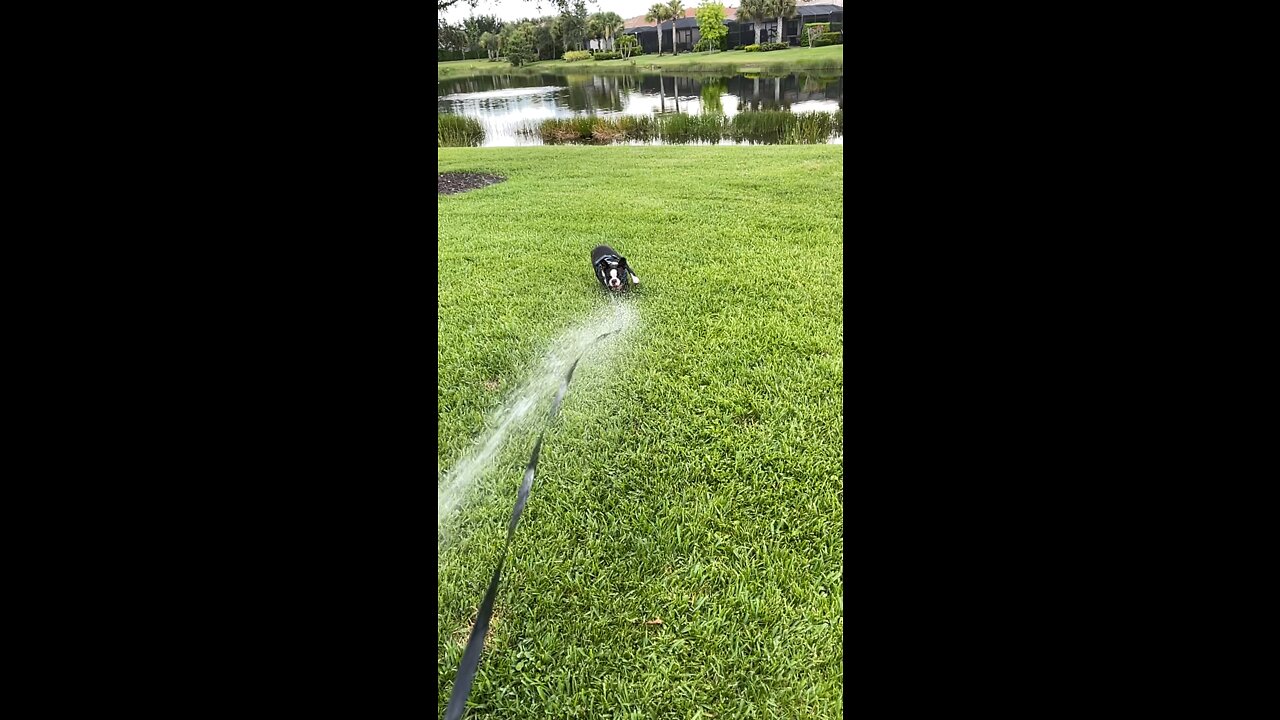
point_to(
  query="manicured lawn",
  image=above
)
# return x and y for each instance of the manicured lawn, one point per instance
(732, 61)
(695, 473)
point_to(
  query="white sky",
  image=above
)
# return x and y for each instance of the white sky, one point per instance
(516, 9)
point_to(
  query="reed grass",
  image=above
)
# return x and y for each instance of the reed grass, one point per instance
(772, 127)
(458, 131)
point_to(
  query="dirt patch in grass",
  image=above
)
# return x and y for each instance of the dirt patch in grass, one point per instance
(452, 183)
(462, 635)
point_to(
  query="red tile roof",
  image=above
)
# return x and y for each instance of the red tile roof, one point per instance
(730, 13)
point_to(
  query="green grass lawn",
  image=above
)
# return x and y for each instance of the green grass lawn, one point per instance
(695, 473)
(732, 61)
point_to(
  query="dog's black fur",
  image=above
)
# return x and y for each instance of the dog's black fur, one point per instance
(608, 266)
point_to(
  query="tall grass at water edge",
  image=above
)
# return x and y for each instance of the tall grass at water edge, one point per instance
(773, 127)
(458, 131)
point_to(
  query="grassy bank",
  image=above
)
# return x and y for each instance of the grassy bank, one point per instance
(696, 477)
(733, 61)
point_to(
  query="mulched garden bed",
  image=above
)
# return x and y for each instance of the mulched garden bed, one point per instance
(454, 182)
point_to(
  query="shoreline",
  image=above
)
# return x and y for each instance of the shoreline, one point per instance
(733, 62)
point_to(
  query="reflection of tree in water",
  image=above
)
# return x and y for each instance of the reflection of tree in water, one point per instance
(712, 89)
(487, 83)
(593, 93)
(814, 83)
(759, 91)
(580, 93)
(609, 93)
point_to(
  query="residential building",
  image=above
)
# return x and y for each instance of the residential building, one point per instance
(740, 33)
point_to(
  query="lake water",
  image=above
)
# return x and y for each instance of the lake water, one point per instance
(503, 104)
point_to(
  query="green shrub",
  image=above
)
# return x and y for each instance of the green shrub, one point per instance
(607, 55)
(821, 28)
(576, 55)
(751, 48)
(826, 39)
(766, 47)
(706, 43)
(458, 131)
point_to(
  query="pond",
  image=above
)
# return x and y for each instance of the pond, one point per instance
(515, 109)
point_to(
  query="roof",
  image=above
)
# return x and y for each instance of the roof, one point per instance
(690, 13)
(689, 20)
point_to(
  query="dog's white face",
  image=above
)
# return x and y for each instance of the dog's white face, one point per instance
(612, 272)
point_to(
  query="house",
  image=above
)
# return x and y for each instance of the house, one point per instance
(740, 33)
(687, 34)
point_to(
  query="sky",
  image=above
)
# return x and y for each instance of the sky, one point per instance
(516, 9)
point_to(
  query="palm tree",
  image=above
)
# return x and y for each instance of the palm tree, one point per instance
(612, 26)
(656, 15)
(782, 9)
(595, 27)
(677, 12)
(755, 11)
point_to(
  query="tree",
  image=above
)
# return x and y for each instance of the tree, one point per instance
(711, 23)
(504, 37)
(473, 29)
(573, 26)
(557, 36)
(658, 14)
(450, 37)
(677, 12)
(604, 26)
(782, 9)
(520, 49)
(612, 26)
(546, 36)
(755, 11)
(627, 44)
(492, 43)
(595, 28)
(442, 5)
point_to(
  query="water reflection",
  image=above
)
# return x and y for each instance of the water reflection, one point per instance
(505, 103)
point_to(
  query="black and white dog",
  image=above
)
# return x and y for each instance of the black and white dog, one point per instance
(611, 269)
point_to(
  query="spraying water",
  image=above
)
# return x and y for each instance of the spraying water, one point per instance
(542, 383)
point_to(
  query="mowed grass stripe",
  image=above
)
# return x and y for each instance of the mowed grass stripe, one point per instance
(697, 477)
